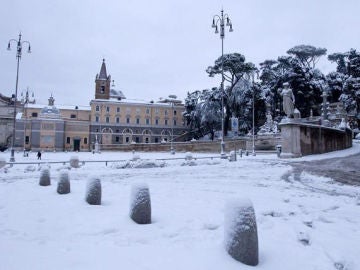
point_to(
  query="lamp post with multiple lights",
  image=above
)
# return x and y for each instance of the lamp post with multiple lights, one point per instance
(253, 109)
(219, 22)
(19, 47)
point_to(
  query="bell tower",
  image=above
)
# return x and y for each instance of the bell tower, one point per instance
(102, 83)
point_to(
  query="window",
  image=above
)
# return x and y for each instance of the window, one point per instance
(174, 112)
(117, 120)
(156, 140)
(97, 130)
(107, 109)
(118, 109)
(157, 111)
(127, 139)
(47, 126)
(107, 119)
(27, 139)
(96, 118)
(117, 139)
(137, 139)
(166, 122)
(137, 121)
(127, 120)
(73, 116)
(146, 140)
(166, 112)
(174, 122)
(147, 121)
(156, 121)
(34, 114)
(85, 140)
(97, 108)
(67, 139)
(102, 89)
(147, 110)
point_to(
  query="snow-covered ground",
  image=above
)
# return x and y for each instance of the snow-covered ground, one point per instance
(309, 224)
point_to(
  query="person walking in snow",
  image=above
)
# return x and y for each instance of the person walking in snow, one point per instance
(39, 155)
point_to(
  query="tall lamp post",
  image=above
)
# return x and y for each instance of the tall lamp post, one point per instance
(253, 109)
(19, 47)
(172, 150)
(219, 22)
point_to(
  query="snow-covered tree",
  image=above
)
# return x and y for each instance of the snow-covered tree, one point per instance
(346, 81)
(210, 108)
(307, 55)
(203, 112)
(299, 70)
(234, 68)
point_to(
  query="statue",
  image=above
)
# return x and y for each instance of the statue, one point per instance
(288, 100)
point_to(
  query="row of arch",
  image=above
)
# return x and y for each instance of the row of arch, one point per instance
(128, 135)
(129, 131)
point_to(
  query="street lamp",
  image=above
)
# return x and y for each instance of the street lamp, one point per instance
(172, 150)
(18, 57)
(219, 21)
(253, 110)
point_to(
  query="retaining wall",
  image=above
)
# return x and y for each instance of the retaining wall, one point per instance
(301, 139)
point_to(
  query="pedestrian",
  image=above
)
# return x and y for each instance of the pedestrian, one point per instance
(39, 155)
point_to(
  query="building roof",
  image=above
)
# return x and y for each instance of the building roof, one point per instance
(103, 74)
(60, 107)
(135, 102)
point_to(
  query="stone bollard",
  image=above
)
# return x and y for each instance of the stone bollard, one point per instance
(63, 186)
(45, 177)
(232, 156)
(278, 150)
(2, 163)
(188, 156)
(93, 191)
(240, 152)
(246, 153)
(140, 204)
(74, 162)
(241, 239)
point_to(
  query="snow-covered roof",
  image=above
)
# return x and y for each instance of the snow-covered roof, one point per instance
(60, 107)
(134, 102)
(117, 94)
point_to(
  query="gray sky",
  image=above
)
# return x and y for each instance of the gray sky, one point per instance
(156, 48)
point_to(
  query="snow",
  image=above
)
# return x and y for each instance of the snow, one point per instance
(308, 224)
(137, 190)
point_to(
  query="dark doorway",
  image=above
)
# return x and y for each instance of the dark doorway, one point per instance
(76, 144)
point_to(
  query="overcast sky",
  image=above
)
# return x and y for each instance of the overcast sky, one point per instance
(157, 48)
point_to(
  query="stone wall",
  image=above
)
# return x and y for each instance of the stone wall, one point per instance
(195, 146)
(301, 139)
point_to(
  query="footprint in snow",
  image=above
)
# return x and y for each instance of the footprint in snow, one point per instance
(304, 238)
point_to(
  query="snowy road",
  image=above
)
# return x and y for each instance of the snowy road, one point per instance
(345, 170)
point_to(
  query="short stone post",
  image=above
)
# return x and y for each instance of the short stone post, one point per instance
(140, 204)
(93, 191)
(241, 239)
(74, 162)
(45, 177)
(232, 156)
(63, 186)
(2, 163)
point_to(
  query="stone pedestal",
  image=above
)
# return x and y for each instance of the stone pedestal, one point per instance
(290, 137)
